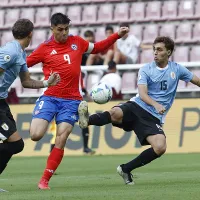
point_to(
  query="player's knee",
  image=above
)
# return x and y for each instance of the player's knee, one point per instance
(116, 114)
(17, 147)
(35, 136)
(160, 148)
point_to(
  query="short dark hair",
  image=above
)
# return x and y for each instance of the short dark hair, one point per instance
(88, 33)
(124, 25)
(22, 28)
(59, 18)
(112, 64)
(109, 28)
(169, 43)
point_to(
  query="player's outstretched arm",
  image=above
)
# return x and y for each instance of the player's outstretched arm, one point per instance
(195, 80)
(27, 82)
(105, 44)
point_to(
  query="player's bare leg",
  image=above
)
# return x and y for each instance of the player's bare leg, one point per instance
(83, 114)
(56, 155)
(38, 128)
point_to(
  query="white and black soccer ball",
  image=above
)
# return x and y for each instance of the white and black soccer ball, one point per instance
(101, 93)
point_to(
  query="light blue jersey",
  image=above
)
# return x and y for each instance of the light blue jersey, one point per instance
(162, 85)
(13, 61)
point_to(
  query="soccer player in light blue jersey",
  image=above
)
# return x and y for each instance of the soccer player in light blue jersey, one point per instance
(12, 64)
(145, 113)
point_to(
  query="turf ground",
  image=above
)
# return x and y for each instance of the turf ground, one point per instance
(172, 177)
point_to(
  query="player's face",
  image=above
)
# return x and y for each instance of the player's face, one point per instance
(28, 40)
(60, 32)
(90, 39)
(108, 33)
(161, 54)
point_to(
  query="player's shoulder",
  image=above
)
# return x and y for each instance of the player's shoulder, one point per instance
(175, 65)
(11, 48)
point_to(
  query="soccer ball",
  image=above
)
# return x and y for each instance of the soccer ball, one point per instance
(101, 93)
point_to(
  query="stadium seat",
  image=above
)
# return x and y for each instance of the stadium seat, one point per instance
(6, 37)
(169, 10)
(58, 9)
(150, 33)
(184, 33)
(89, 14)
(186, 9)
(47, 2)
(153, 10)
(11, 16)
(75, 14)
(74, 31)
(83, 1)
(92, 79)
(146, 56)
(100, 33)
(197, 8)
(121, 12)
(136, 30)
(2, 13)
(129, 82)
(18, 86)
(39, 36)
(196, 32)
(168, 30)
(195, 54)
(105, 13)
(4, 3)
(42, 17)
(99, 0)
(181, 54)
(28, 13)
(31, 2)
(137, 12)
(16, 2)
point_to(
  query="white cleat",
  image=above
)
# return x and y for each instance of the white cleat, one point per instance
(2, 190)
(126, 176)
(83, 114)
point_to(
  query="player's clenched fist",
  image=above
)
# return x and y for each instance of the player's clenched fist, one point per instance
(123, 31)
(54, 79)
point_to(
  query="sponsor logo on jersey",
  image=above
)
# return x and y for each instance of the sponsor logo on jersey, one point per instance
(73, 117)
(7, 58)
(5, 127)
(37, 112)
(173, 75)
(53, 52)
(74, 47)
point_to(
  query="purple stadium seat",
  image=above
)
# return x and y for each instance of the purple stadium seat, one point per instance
(146, 56)
(168, 30)
(47, 2)
(196, 32)
(92, 79)
(31, 2)
(189, 84)
(28, 13)
(181, 54)
(42, 16)
(195, 54)
(129, 82)
(89, 14)
(39, 36)
(137, 11)
(58, 9)
(137, 31)
(121, 12)
(65, 1)
(153, 10)
(83, 1)
(181, 84)
(18, 86)
(105, 13)
(16, 2)
(184, 33)
(197, 8)
(99, 0)
(6, 37)
(2, 13)
(150, 33)
(75, 14)
(169, 10)
(73, 31)
(186, 9)
(11, 16)
(100, 33)
(4, 3)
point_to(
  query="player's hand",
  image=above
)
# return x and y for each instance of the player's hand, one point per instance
(159, 108)
(54, 79)
(123, 31)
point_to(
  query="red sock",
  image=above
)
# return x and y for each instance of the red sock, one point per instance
(53, 161)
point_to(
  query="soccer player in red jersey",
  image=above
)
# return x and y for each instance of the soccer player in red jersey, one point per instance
(62, 53)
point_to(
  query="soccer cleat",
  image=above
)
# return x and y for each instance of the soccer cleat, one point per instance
(43, 184)
(2, 190)
(83, 114)
(126, 176)
(88, 151)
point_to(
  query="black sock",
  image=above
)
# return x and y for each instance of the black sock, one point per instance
(100, 119)
(85, 134)
(144, 158)
(5, 156)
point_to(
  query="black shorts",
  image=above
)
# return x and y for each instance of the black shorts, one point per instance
(136, 119)
(7, 123)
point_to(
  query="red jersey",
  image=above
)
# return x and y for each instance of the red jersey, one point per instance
(64, 58)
